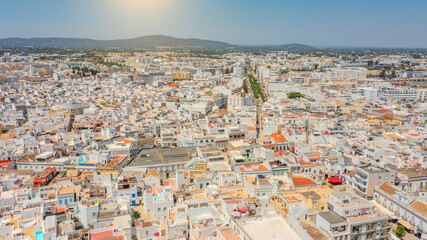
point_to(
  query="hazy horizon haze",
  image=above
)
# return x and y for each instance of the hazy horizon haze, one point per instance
(330, 23)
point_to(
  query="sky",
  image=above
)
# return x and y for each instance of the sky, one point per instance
(328, 23)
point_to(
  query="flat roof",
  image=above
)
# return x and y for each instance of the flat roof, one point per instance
(157, 156)
(273, 228)
(312, 231)
(375, 214)
(219, 166)
(349, 199)
(413, 173)
(373, 169)
(332, 217)
(45, 154)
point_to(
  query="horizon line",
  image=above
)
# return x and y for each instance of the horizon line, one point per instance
(233, 44)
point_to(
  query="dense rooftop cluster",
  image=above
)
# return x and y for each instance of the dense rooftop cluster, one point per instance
(239, 146)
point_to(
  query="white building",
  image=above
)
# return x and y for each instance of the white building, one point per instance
(411, 212)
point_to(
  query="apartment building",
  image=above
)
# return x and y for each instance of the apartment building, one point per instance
(364, 220)
(364, 179)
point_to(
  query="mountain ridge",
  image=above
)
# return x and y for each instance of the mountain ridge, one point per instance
(142, 42)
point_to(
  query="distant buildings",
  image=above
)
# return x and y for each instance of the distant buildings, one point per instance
(171, 145)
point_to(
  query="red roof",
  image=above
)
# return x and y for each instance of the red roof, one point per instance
(39, 180)
(261, 167)
(102, 235)
(223, 112)
(278, 138)
(108, 233)
(302, 181)
(381, 110)
(5, 163)
(278, 154)
(125, 140)
(60, 209)
(120, 158)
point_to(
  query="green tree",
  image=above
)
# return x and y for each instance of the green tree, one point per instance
(93, 72)
(227, 71)
(370, 63)
(295, 95)
(136, 214)
(382, 73)
(399, 231)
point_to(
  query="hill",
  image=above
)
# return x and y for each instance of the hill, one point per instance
(145, 42)
(295, 46)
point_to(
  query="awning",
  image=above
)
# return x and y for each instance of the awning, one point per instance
(335, 180)
(406, 225)
(243, 209)
(384, 209)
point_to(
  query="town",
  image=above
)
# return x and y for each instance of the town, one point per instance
(205, 145)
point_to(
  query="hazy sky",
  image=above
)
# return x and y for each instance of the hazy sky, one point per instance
(373, 23)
